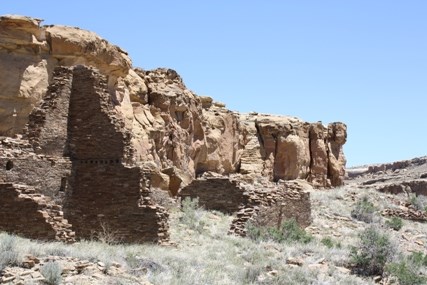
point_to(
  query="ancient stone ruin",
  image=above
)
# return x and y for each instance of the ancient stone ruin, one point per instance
(92, 135)
(28, 213)
(271, 202)
(89, 161)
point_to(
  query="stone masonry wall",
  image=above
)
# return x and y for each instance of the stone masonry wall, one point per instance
(108, 195)
(18, 164)
(47, 124)
(269, 204)
(216, 193)
(107, 192)
(25, 212)
(273, 205)
(95, 129)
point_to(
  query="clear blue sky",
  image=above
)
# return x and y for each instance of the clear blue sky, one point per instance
(362, 62)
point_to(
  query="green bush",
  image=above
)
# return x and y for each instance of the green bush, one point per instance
(52, 271)
(190, 214)
(419, 202)
(287, 232)
(406, 274)
(395, 223)
(327, 241)
(253, 231)
(372, 253)
(364, 210)
(418, 259)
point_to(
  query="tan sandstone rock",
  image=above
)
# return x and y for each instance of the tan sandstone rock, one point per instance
(174, 132)
(28, 54)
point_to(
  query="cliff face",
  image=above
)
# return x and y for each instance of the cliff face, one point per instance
(174, 134)
(28, 55)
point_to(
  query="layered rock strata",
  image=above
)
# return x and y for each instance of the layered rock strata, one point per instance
(407, 176)
(175, 134)
(96, 135)
(28, 54)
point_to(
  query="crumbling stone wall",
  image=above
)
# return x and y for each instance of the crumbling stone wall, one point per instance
(18, 164)
(106, 193)
(273, 203)
(95, 129)
(107, 196)
(216, 193)
(25, 212)
(47, 124)
(78, 147)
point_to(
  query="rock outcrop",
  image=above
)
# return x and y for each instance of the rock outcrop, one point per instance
(71, 103)
(287, 148)
(175, 134)
(30, 52)
(407, 176)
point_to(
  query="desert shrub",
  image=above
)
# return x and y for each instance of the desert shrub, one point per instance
(419, 202)
(372, 253)
(288, 231)
(190, 214)
(9, 254)
(162, 198)
(251, 274)
(106, 234)
(52, 271)
(418, 258)
(254, 231)
(300, 276)
(405, 273)
(395, 223)
(364, 210)
(327, 241)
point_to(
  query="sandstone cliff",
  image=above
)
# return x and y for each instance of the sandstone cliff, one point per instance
(174, 134)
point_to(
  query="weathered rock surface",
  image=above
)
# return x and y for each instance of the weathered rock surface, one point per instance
(80, 153)
(102, 134)
(407, 176)
(175, 134)
(28, 54)
(287, 148)
(74, 271)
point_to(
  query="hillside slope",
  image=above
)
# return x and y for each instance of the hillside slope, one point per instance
(201, 252)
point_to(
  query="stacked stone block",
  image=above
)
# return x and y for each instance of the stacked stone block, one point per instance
(276, 202)
(216, 193)
(107, 192)
(25, 212)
